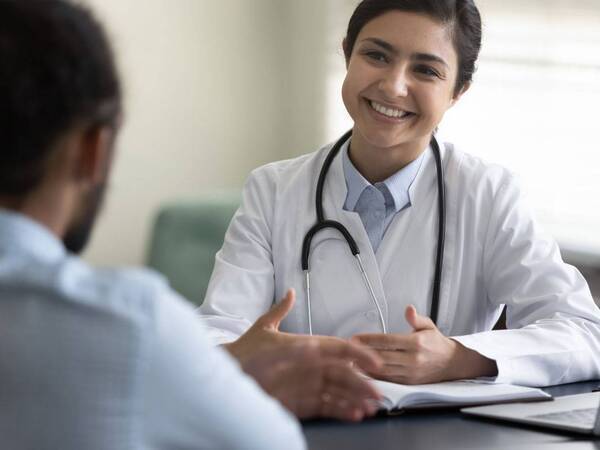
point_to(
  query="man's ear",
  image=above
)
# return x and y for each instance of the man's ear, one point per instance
(457, 96)
(95, 154)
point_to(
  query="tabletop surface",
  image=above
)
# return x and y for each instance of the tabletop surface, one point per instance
(447, 429)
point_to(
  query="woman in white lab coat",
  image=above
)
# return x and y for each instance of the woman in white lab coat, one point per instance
(408, 62)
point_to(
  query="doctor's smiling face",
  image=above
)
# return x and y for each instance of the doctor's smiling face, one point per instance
(401, 78)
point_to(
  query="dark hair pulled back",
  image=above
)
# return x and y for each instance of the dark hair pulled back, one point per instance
(461, 15)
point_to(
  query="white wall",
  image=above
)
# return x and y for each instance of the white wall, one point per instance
(204, 82)
(212, 90)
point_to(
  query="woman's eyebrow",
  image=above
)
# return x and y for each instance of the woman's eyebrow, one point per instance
(383, 44)
(428, 57)
(424, 57)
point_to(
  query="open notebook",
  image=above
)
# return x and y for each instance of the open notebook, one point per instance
(453, 394)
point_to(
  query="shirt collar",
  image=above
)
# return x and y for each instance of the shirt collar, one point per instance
(398, 184)
(20, 233)
(355, 182)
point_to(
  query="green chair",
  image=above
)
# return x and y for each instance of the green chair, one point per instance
(185, 238)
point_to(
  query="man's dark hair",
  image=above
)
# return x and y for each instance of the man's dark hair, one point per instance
(57, 71)
(462, 16)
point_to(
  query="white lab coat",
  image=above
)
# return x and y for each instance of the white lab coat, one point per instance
(495, 255)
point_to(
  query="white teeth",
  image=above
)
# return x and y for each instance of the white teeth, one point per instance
(388, 111)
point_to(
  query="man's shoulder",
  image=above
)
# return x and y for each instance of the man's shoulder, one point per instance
(130, 280)
(134, 291)
(125, 292)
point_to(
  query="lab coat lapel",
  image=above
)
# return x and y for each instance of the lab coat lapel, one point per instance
(420, 221)
(405, 275)
(447, 309)
(405, 221)
(334, 198)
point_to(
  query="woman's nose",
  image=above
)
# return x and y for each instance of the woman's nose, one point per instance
(394, 84)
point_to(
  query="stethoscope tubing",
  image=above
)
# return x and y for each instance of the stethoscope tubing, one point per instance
(322, 223)
(439, 260)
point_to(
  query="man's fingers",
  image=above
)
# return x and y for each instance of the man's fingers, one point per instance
(338, 408)
(311, 400)
(345, 381)
(417, 321)
(277, 313)
(338, 402)
(328, 406)
(317, 385)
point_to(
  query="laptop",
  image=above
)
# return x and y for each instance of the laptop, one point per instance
(577, 413)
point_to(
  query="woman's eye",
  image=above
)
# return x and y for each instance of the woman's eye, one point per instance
(428, 71)
(377, 56)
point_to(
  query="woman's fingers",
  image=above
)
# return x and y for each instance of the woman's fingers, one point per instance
(336, 348)
(394, 358)
(417, 321)
(380, 341)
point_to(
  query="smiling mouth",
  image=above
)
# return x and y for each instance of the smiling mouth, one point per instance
(390, 112)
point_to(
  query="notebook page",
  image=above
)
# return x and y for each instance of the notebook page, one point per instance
(461, 392)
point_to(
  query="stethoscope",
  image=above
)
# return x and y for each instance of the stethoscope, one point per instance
(322, 224)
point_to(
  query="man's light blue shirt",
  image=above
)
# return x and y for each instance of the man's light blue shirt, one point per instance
(114, 359)
(377, 204)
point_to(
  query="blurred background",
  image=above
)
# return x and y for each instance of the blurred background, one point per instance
(217, 88)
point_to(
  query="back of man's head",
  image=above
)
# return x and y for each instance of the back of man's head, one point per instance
(57, 71)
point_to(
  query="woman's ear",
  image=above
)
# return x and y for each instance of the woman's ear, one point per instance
(458, 95)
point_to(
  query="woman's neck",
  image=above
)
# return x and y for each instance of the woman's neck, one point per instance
(378, 164)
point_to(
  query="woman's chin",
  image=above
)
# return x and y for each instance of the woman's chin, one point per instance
(385, 141)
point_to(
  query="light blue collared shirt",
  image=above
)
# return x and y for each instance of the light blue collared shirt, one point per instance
(377, 203)
(114, 359)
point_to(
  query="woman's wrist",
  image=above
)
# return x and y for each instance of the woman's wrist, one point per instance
(468, 363)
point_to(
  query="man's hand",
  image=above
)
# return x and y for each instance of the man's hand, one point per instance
(313, 376)
(265, 334)
(425, 355)
(312, 381)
